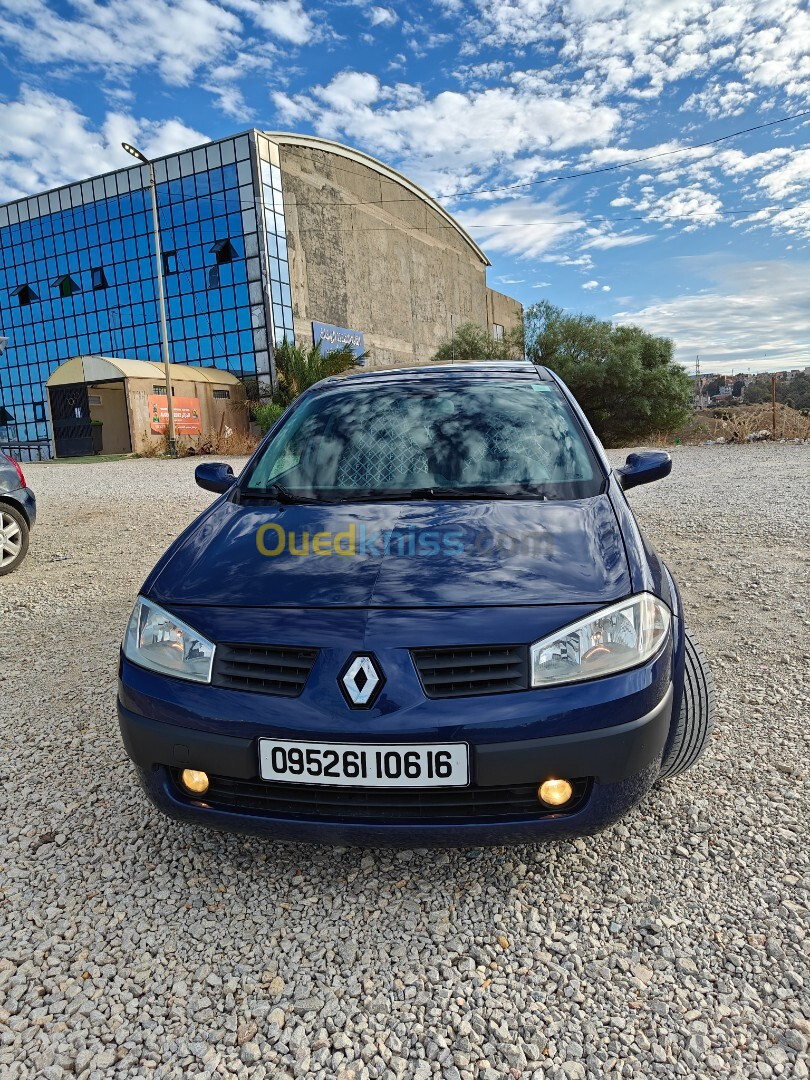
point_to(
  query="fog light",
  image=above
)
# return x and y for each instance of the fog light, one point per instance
(197, 782)
(555, 792)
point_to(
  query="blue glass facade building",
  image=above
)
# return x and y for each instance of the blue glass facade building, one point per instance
(77, 275)
(374, 258)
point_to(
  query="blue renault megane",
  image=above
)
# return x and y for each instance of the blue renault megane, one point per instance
(423, 614)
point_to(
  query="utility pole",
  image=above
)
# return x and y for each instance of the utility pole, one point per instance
(773, 405)
(164, 337)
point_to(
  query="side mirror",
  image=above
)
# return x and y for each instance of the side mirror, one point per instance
(644, 467)
(214, 476)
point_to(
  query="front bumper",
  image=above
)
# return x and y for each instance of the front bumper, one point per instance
(621, 762)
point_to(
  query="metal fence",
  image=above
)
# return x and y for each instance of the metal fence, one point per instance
(24, 450)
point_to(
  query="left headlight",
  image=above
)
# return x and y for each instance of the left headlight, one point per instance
(160, 641)
(613, 639)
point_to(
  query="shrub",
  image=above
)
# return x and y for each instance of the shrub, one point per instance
(265, 414)
(473, 344)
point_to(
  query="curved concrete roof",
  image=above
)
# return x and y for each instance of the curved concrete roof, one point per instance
(317, 143)
(80, 369)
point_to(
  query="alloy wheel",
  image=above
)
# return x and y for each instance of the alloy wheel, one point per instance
(10, 539)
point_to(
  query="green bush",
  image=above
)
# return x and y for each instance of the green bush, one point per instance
(473, 344)
(266, 413)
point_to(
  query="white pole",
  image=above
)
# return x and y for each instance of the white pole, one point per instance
(164, 337)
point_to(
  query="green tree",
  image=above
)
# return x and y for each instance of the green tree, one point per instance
(624, 378)
(756, 392)
(794, 391)
(473, 344)
(297, 368)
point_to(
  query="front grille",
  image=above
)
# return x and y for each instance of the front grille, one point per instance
(475, 669)
(264, 669)
(375, 806)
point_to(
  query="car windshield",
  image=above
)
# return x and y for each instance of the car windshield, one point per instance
(463, 439)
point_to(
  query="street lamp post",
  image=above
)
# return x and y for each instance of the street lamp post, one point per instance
(164, 337)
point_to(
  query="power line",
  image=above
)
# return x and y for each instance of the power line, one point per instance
(569, 221)
(633, 161)
(642, 217)
(566, 176)
(596, 218)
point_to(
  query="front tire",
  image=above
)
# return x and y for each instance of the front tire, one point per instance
(696, 719)
(13, 538)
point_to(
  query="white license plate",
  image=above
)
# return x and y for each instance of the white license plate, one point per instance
(425, 765)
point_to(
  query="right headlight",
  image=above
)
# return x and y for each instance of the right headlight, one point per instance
(160, 641)
(613, 639)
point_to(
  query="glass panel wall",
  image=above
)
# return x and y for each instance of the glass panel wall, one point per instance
(277, 256)
(97, 236)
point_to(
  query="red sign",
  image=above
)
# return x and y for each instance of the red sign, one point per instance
(186, 414)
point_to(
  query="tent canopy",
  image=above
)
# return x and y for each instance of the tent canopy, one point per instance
(91, 369)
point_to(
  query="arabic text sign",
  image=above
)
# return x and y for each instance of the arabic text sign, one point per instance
(186, 414)
(335, 337)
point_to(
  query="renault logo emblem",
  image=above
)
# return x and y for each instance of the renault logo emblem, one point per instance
(361, 681)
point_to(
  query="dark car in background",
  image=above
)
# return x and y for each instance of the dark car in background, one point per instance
(18, 512)
(423, 614)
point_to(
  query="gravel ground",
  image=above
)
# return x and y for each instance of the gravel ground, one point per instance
(674, 944)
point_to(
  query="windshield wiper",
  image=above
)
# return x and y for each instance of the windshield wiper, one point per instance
(280, 493)
(472, 493)
(283, 494)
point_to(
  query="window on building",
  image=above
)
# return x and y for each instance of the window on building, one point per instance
(99, 277)
(39, 412)
(25, 294)
(169, 262)
(156, 389)
(213, 277)
(66, 285)
(6, 417)
(94, 399)
(222, 393)
(224, 251)
(497, 331)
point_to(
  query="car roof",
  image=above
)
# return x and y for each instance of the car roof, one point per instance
(491, 369)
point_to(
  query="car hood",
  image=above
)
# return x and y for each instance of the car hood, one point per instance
(405, 554)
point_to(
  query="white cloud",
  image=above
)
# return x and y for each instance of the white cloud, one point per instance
(48, 142)
(789, 179)
(283, 19)
(122, 36)
(383, 16)
(720, 98)
(753, 314)
(453, 133)
(604, 241)
(505, 227)
(579, 262)
(590, 285)
(639, 47)
(183, 40)
(606, 288)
